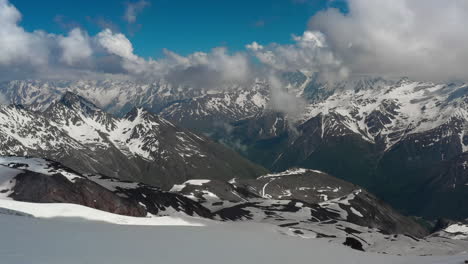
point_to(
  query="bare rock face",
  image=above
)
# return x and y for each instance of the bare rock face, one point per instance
(156, 201)
(300, 195)
(58, 189)
(44, 181)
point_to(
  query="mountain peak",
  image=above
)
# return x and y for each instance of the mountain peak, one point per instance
(136, 112)
(73, 100)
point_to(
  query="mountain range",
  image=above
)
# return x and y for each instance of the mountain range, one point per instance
(139, 146)
(374, 164)
(402, 140)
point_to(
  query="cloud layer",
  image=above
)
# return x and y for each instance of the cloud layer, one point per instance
(30, 55)
(422, 39)
(310, 53)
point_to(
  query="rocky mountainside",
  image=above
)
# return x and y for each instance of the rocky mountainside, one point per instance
(120, 96)
(336, 199)
(403, 140)
(313, 204)
(45, 181)
(298, 202)
(213, 111)
(116, 96)
(139, 146)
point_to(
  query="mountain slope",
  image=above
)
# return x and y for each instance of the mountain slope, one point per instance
(43, 181)
(304, 203)
(140, 146)
(312, 204)
(392, 137)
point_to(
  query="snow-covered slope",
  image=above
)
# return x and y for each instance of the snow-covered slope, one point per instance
(312, 204)
(26, 240)
(117, 96)
(219, 108)
(62, 210)
(379, 110)
(301, 203)
(457, 231)
(386, 111)
(192, 107)
(37, 180)
(403, 140)
(391, 136)
(140, 146)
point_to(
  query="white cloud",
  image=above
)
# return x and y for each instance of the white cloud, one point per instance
(116, 43)
(208, 69)
(232, 67)
(422, 39)
(254, 46)
(310, 52)
(16, 45)
(283, 101)
(197, 69)
(76, 47)
(77, 55)
(133, 9)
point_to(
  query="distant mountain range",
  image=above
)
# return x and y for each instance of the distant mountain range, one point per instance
(403, 140)
(139, 146)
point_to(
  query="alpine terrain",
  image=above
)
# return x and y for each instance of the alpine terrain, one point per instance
(357, 130)
(234, 132)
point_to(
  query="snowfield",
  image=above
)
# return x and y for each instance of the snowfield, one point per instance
(61, 241)
(63, 210)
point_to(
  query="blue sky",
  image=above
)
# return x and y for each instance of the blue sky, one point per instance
(420, 39)
(183, 26)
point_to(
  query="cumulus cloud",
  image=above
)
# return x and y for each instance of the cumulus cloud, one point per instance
(310, 52)
(134, 9)
(16, 45)
(43, 55)
(254, 46)
(421, 39)
(76, 47)
(116, 43)
(199, 69)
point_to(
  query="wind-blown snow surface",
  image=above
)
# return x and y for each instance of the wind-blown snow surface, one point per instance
(63, 210)
(54, 241)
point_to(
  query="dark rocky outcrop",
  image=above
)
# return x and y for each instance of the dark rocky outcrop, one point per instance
(45, 181)
(58, 189)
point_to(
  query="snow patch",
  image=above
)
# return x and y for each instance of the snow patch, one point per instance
(285, 173)
(54, 210)
(180, 187)
(37, 165)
